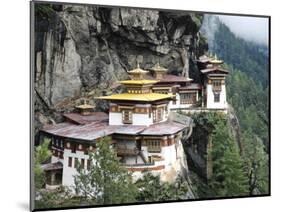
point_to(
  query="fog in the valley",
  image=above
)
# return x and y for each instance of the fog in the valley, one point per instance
(250, 28)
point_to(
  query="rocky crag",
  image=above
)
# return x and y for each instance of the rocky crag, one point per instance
(81, 51)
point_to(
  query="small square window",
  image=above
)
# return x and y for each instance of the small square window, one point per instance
(127, 116)
(216, 97)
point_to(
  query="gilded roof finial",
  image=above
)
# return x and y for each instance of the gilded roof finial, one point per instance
(158, 68)
(216, 61)
(158, 65)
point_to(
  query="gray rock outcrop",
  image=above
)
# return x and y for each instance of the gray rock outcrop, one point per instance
(82, 49)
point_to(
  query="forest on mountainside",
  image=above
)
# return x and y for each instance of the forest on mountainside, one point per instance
(248, 81)
(94, 47)
(247, 56)
(248, 94)
(234, 172)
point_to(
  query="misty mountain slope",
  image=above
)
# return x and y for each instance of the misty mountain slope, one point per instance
(249, 57)
(247, 93)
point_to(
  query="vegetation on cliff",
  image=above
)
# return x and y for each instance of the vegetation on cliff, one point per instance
(228, 177)
(105, 182)
(239, 168)
(248, 94)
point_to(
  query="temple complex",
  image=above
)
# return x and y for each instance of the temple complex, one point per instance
(145, 133)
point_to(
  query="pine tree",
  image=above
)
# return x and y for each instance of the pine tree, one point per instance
(41, 155)
(151, 189)
(106, 181)
(256, 160)
(229, 178)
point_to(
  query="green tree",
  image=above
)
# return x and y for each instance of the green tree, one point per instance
(257, 164)
(61, 197)
(229, 178)
(106, 181)
(151, 189)
(41, 155)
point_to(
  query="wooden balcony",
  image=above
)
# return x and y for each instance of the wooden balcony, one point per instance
(126, 151)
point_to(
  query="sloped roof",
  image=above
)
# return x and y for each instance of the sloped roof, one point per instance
(95, 130)
(138, 82)
(214, 69)
(163, 128)
(82, 119)
(87, 132)
(52, 166)
(129, 129)
(192, 86)
(146, 97)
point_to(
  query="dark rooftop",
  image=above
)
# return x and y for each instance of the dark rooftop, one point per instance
(174, 78)
(86, 119)
(95, 130)
(129, 129)
(87, 132)
(192, 86)
(214, 69)
(52, 166)
(164, 128)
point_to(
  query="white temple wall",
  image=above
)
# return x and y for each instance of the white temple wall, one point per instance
(211, 104)
(69, 172)
(142, 119)
(115, 118)
(137, 119)
(130, 160)
(169, 153)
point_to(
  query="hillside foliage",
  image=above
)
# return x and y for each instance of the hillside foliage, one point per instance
(248, 93)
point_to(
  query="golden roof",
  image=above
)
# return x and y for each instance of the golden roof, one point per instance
(159, 68)
(138, 82)
(138, 70)
(216, 60)
(148, 97)
(85, 106)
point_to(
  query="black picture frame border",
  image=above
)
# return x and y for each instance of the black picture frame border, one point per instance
(31, 106)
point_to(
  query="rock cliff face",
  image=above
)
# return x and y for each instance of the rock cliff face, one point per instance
(86, 49)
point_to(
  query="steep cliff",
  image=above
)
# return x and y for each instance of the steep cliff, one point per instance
(83, 50)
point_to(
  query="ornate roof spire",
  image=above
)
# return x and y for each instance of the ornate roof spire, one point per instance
(216, 61)
(138, 73)
(84, 107)
(158, 68)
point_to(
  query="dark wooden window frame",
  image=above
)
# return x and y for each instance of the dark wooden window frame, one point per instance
(188, 98)
(69, 161)
(216, 84)
(82, 163)
(76, 163)
(153, 145)
(216, 96)
(127, 116)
